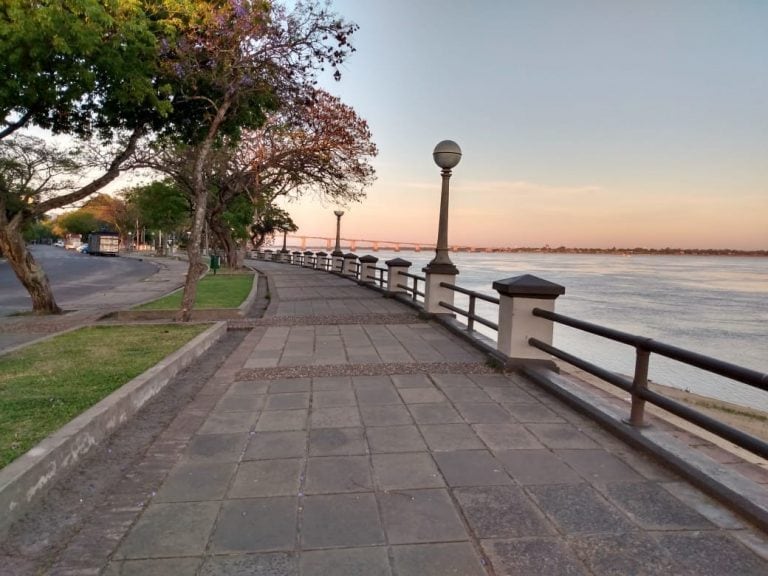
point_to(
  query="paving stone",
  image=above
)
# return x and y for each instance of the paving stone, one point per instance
(421, 395)
(395, 439)
(654, 508)
(333, 398)
(509, 394)
(437, 560)
(341, 520)
(191, 481)
(390, 415)
(240, 403)
(632, 553)
(711, 554)
(350, 562)
(337, 442)
(178, 529)
(411, 381)
(282, 420)
(501, 512)
(371, 382)
(442, 437)
(598, 466)
(706, 506)
(257, 525)
(159, 567)
(412, 470)
(367, 396)
(537, 467)
(333, 474)
(536, 412)
(216, 447)
(537, 556)
(335, 417)
(471, 468)
(420, 516)
(331, 384)
(561, 435)
(451, 380)
(274, 564)
(266, 478)
(484, 413)
(290, 385)
(579, 509)
(228, 422)
(506, 436)
(287, 401)
(249, 387)
(440, 413)
(466, 394)
(272, 445)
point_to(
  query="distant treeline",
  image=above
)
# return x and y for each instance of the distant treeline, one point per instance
(632, 251)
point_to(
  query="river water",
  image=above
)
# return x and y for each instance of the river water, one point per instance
(716, 306)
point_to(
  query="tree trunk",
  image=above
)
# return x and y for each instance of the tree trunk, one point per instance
(225, 240)
(27, 270)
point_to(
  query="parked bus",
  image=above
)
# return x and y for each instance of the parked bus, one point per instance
(103, 243)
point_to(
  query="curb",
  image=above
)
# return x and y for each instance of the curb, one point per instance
(30, 475)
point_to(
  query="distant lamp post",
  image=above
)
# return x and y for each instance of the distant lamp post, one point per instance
(337, 251)
(447, 155)
(285, 239)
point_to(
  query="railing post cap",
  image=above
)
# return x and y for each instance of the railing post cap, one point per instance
(296, 252)
(398, 262)
(322, 254)
(368, 259)
(349, 255)
(528, 286)
(308, 253)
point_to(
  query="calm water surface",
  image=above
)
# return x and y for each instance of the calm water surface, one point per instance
(716, 306)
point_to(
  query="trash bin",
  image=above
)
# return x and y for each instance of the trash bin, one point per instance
(215, 262)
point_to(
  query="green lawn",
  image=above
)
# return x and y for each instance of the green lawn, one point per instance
(44, 386)
(219, 291)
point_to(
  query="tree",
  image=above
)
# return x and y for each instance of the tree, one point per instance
(269, 220)
(79, 222)
(161, 205)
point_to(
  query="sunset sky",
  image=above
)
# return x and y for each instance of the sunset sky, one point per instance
(597, 123)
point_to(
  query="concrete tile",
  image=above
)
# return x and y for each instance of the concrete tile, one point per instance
(216, 447)
(257, 525)
(501, 512)
(537, 467)
(411, 381)
(403, 471)
(290, 385)
(442, 437)
(159, 567)
(484, 413)
(331, 383)
(341, 520)
(274, 420)
(437, 560)
(395, 439)
(274, 564)
(336, 417)
(534, 556)
(240, 403)
(420, 516)
(333, 398)
(471, 468)
(710, 554)
(334, 474)
(561, 436)
(508, 394)
(272, 445)
(466, 394)
(257, 478)
(421, 395)
(532, 413)
(711, 509)
(368, 396)
(349, 562)
(624, 554)
(191, 481)
(579, 509)
(599, 467)
(228, 422)
(179, 529)
(287, 401)
(337, 442)
(454, 380)
(244, 387)
(440, 413)
(389, 415)
(506, 437)
(654, 508)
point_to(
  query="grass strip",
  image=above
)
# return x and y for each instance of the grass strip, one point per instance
(213, 291)
(45, 385)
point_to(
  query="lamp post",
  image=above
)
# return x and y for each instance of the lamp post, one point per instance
(440, 269)
(337, 250)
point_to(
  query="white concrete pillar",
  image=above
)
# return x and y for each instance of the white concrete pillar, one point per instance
(308, 259)
(518, 296)
(367, 272)
(434, 293)
(396, 267)
(348, 266)
(322, 261)
(337, 263)
(296, 261)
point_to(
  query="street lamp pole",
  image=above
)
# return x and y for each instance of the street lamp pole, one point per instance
(337, 250)
(447, 155)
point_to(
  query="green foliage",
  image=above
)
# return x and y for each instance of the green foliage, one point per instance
(219, 291)
(269, 220)
(161, 205)
(44, 386)
(39, 231)
(79, 222)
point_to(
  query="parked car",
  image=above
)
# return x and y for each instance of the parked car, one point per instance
(59, 243)
(83, 248)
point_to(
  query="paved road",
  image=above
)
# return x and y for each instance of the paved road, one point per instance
(73, 277)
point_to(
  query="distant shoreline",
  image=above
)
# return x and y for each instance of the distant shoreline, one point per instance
(635, 251)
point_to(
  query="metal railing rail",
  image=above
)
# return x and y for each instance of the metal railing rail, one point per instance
(413, 291)
(378, 276)
(469, 314)
(638, 385)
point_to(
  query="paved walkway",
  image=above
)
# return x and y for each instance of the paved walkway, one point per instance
(345, 436)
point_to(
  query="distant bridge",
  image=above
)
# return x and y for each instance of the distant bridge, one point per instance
(353, 244)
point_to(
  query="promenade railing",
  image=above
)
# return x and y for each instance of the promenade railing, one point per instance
(469, 313)
(413, 290)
